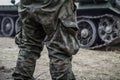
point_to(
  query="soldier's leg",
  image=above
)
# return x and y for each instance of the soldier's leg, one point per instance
(63, 44)
(60, 65)
(30, 41)
(61, 47)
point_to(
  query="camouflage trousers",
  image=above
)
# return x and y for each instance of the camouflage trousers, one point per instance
(59, 33)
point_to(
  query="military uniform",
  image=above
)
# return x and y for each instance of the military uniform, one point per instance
(52, 21)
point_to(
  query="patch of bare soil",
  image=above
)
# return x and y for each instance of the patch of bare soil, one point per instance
(101, 64)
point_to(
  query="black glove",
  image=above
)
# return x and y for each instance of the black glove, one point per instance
(13, 1)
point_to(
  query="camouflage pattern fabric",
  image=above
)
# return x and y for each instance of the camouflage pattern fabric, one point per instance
(52, 21)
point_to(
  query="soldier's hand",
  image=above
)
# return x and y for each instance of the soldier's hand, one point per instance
(13, 1)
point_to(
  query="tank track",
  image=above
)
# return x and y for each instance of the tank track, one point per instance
(115, 41)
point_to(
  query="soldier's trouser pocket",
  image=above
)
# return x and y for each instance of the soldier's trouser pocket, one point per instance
(65, 38)
(69, 32)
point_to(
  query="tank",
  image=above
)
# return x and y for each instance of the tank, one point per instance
(98, 22)
(8, 19)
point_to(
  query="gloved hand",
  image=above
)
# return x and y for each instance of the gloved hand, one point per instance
(13, 1)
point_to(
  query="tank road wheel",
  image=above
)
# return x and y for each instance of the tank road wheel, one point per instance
(87, 33)
(7, 26)
(108, 29)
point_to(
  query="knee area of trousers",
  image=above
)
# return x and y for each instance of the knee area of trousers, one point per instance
(25, 54)
(60, 65)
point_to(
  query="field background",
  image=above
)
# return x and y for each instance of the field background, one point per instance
(101, 64)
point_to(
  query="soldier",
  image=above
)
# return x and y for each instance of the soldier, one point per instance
(52, 21)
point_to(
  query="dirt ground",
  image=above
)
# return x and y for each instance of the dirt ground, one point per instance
(87, 64)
